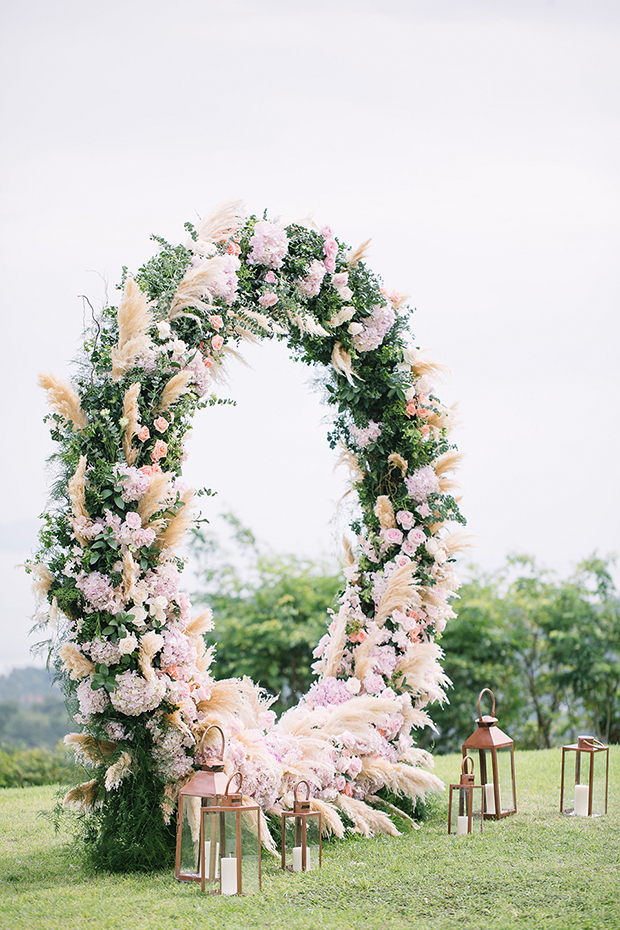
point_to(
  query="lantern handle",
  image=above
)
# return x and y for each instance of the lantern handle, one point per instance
(214, 726)
(486, 691)
(592, 742)
(465, 767)
(299, 783)
(235, 775)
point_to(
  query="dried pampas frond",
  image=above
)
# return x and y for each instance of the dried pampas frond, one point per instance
(395, 460)
(75, 662)
(384, 512)
(117, 772)
(42, 580)
(179, 524)
(341, 360)
(169, 800)
(82, 798)
(178, 385)
(150, 644)
(425, 366)
(196, 286)
(363, 654)
(205, 656)
(75, 490)
(400, 594)
(155, 497)
(200, 624)
(64, 399)
(366, 820)
(400, 778)
(337, 646)
(130, 574)
(226, 218)
(420, 672)
(357, 255)
(343, 316)
(447, 462)
(331, 821)
(87, 749)
(358, 713)
(349, 556)
(457, 542)
(131, 413)
(175, 720)
(134, 321)
(348, 458)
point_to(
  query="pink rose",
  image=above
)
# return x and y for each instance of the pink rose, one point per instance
(143, 433)
(392, 536)
(160, 450)
(330, 248)
(416, 535)
(409, 548)
(161, 424)
(270, 278)
(402, 560)
(217, 342)
(406, 519)
(133, 520)
(327, 232)
(216, 322)
(329, 264)
(411, 409)
(268, 300)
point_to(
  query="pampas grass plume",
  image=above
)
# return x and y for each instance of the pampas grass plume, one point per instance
(64, 399)
(384, 512)
(175, 388)
(75, 662)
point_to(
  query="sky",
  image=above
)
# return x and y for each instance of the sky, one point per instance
(475, 142)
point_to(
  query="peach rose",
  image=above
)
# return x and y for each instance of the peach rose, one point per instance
(160, 450)
(143, 434)
(161, 424)
(217, 342)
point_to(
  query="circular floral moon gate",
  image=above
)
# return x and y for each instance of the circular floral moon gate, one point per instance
(132, 659)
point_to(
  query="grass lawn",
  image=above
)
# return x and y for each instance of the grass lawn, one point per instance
(536, 869)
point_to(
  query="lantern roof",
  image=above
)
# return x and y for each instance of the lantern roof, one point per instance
(206, 784)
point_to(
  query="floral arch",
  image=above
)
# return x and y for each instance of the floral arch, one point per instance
(130, 655)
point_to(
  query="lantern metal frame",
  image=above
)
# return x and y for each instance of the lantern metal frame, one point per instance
(209, 784)
(228, 805)
(488, 738)
(589, 746)
(465, 789)
(302, 814)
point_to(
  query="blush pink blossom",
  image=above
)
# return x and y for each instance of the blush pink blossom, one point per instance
(161, 424)
(392, 535)
(421, 483)
(270, 278)
(268, 300)
(217, 342)
(160, 450)
(143, 434)
(311, 284)
(406, 519)
(269, 245)
(216, 321)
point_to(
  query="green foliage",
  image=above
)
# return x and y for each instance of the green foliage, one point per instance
(548, 648)
(20, 768)
(268, 617)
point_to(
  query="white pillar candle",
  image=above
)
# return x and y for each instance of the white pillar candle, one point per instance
(582, 794)
(229, 875)
(296, 858)
(461, 825)
(490, 799)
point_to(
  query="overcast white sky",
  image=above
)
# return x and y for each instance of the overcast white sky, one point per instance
(475, 141)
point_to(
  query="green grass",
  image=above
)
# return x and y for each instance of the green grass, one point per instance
(536, 869)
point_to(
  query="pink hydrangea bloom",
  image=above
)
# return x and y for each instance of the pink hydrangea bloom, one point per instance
(421, 483)
(134, 483)
(311, 284)
(225, 284)
(102, 651)
(376, 326)
(269, 245)
(200, 369)
(91, 702)
(99, 593)
(363, 436)
(135, 695)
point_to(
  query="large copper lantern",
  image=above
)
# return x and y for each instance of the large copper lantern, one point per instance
(584, 787)
(205, 788)
(496, 763)
(230, 837)
(466, 807)
(301, 834)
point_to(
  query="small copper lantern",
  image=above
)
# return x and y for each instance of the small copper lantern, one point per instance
(497, 764)
(202, 790)
(466, 807)
(230, 837)
(301, 835)
(585, 793)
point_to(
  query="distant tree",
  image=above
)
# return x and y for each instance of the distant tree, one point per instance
(270, 612)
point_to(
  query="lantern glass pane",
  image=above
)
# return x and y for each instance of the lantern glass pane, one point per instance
(190, 835)
(294, 826)
(250, 864)
(504, 768)
(212, 850)
(465, 801)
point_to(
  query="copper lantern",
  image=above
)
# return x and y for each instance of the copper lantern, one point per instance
(496, 763)
(466, 806)
(230, 837)
(584, 789)
(202, 790)
(301, 834)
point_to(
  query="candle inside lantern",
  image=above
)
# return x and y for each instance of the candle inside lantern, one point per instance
(461, 825)
(229, 875)
(582, 796)
(297, 859)
(489, 797)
